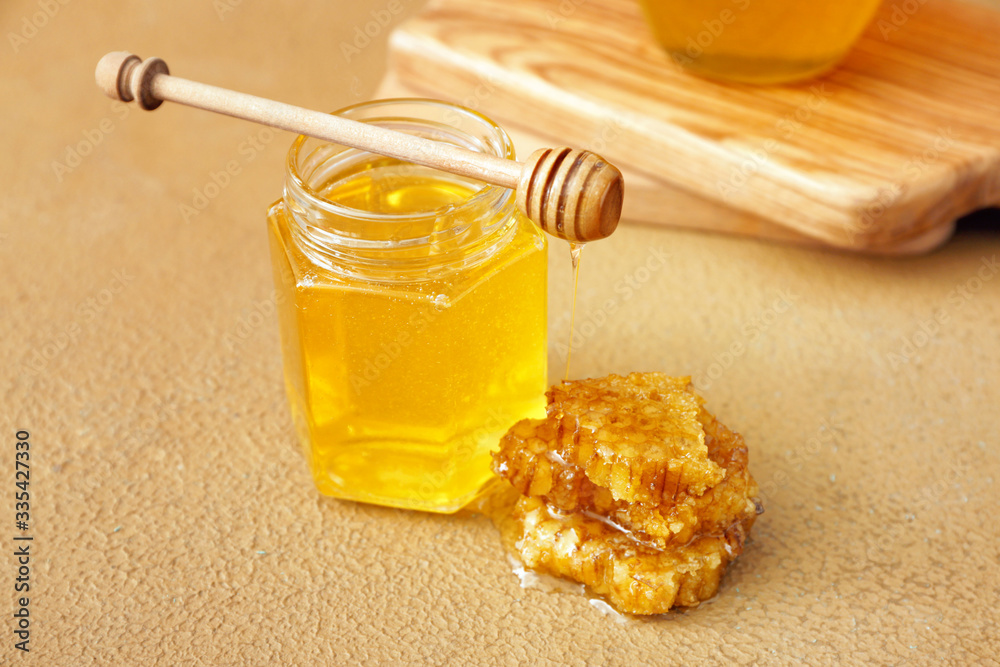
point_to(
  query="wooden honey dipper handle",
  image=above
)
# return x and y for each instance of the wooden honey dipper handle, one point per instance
(573, 194)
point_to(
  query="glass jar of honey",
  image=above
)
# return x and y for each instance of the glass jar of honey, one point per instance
(412, 307)
(758, 41)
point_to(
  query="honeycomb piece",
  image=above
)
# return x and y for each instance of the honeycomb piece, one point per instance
(526, 462)
(669, 545)
(638, 437)
(734, 499)
(531, 459)
(634, 578)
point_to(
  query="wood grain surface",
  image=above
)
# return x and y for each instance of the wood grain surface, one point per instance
(880, 155)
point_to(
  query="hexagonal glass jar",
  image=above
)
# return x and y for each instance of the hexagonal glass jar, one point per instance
(412, 307)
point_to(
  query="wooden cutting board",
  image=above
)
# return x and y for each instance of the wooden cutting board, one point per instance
(880, 155)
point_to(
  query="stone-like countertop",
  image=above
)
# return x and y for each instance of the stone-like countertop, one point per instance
(173, 515)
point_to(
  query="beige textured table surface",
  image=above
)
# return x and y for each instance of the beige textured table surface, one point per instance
(173, 516)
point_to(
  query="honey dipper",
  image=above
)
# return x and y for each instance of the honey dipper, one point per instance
(572, 194)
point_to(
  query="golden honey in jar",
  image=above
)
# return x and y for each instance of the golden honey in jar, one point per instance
(758, 41)
(412, 308)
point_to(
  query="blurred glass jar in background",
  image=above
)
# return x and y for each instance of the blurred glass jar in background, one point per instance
(758, 41)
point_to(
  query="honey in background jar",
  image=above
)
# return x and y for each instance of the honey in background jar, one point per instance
(758, 41)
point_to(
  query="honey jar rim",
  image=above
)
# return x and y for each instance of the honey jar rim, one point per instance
(503, 145)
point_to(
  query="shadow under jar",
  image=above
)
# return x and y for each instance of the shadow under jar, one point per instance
(412, 307)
